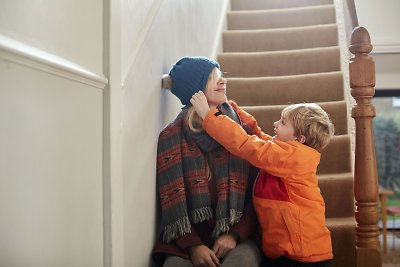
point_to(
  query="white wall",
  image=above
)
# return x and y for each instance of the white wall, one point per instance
(51, 101)
(381, 19)
(77, 160)
(69, 29)
(155, 35)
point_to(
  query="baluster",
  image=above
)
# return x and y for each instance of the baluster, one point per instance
(362, 82)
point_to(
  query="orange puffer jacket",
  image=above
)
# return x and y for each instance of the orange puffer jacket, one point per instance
(287, 199)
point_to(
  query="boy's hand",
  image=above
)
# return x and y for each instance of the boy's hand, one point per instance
(200, 104)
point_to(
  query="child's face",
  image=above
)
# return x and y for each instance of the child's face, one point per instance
(216, 92)
(284, 130)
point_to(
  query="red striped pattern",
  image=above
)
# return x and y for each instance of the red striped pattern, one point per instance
(172, 193)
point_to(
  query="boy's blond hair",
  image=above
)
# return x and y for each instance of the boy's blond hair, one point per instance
(311, 121)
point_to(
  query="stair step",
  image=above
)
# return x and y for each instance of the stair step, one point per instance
(281, 18)
(278, 63)
(280, 39)
(319, 87)
(279, 52)
(338, 193)
(262, 4)
(336, 157)
(343, 241)
(266, 115)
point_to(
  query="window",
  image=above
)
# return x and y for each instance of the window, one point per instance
(386, 126)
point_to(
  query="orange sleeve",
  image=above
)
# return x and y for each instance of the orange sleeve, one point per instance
(269, 155)
(250, 121)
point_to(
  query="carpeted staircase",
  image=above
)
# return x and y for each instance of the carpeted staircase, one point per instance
(278, 52)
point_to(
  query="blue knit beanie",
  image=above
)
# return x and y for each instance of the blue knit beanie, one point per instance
(190, 75)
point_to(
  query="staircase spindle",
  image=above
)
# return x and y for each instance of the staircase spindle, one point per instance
(362, 82)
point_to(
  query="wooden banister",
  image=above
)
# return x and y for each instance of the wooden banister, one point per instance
(362, 82)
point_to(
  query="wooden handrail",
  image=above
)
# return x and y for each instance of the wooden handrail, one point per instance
(362, 82)
(351, 7)
(350, 17)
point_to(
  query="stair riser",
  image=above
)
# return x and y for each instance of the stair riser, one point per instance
(280, 63)
(298, 88)
(343, 241)
(280, 39)
(336, 157)
(338, 196)
(269, 19)
(262, 4)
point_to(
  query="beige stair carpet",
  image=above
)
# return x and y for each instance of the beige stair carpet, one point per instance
(276, 63)
(280, 38)
(281, 18)
(321, 87)
(280, 52)
(273, 4)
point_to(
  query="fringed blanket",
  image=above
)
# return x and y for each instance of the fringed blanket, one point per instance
(182, 182)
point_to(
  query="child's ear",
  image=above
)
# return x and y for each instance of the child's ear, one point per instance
(301, 139)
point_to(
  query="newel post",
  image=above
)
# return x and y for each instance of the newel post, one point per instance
(362, 82)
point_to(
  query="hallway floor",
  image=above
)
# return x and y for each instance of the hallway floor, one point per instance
(392, 257)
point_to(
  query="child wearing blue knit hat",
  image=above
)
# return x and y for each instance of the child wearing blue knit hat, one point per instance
(207, 218)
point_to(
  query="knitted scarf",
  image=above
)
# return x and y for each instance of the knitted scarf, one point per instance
(182, 180)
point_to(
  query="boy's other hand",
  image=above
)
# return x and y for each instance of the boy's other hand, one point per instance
(200, 104)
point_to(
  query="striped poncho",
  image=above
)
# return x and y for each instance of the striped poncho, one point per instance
(182, 182)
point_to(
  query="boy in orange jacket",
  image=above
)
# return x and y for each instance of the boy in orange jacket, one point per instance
(287, 199)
